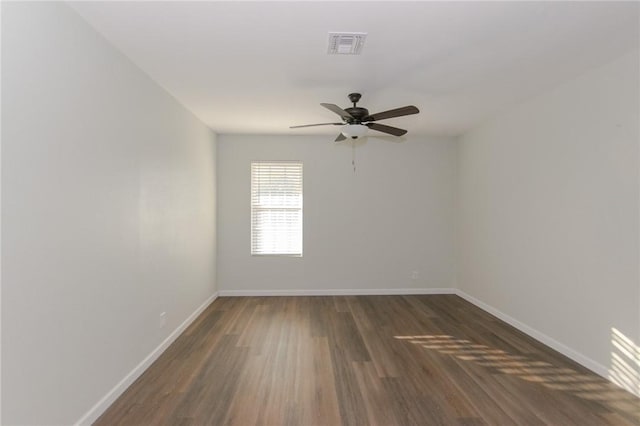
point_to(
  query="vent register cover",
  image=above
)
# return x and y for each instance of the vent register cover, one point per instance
(346, 43)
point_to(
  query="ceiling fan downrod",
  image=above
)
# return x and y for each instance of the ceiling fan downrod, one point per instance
(355, 98)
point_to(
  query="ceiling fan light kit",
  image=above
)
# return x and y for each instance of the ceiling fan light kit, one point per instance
(356, 120)
(354, 131)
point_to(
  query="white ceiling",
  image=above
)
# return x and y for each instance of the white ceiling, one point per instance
(259, 67)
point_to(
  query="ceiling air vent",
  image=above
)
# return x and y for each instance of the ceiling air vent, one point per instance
(346, 43)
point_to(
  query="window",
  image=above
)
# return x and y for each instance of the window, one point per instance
(276, 208)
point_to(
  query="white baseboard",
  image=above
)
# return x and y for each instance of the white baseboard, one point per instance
(581, 359)
(102, 405)
(338, 292)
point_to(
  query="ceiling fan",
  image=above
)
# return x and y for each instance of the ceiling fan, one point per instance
(357, 120)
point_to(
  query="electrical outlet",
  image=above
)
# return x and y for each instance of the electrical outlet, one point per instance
(415, 275)
(163, 320)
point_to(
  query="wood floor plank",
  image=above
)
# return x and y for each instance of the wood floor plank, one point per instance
(364, 360)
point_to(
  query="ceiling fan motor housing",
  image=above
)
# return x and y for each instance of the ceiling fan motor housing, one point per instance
(358, 115)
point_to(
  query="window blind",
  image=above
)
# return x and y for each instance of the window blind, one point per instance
(276, 208)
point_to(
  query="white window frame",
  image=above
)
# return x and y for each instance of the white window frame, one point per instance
(255, 207)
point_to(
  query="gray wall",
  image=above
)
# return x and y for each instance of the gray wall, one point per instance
(549, 220)
(108, 215)
(367, 230)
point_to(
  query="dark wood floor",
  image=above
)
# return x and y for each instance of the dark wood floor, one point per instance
(365, 360)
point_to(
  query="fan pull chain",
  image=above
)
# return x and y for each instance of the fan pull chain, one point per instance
(353, 155)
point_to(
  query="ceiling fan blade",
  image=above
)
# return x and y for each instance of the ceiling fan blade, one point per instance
(386, 129)
(335, 108)
(319, 124)
(340, 137)
(398, 112)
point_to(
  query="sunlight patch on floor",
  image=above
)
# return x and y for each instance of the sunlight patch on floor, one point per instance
(588, 387)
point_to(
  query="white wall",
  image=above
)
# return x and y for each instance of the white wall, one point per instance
(364, 230)
(548, 214)
(108, 215)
